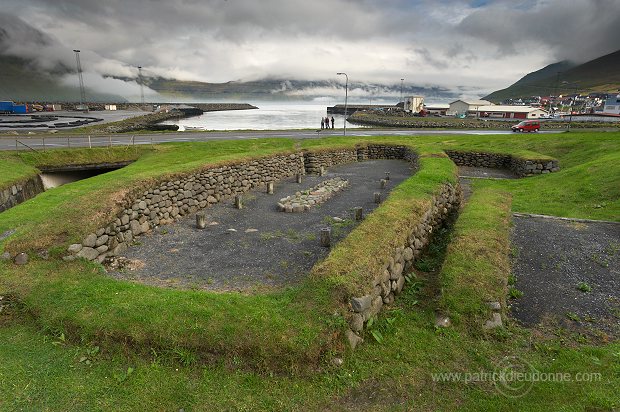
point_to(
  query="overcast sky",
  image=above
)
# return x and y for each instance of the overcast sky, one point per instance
(473, 45)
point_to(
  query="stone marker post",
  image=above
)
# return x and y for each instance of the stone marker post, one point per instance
(358, 213)
(377, 197)
(201, 220)
(383, 183)
(238, 202)
(298, 178)
(326, 237)
(387, 175)
(270, 188)
(321, 171)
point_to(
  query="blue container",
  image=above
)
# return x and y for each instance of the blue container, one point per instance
(6, 107)
(20, 109)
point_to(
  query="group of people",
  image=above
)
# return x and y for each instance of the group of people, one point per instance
(325, 122)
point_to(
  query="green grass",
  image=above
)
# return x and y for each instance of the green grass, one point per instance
(171, 349)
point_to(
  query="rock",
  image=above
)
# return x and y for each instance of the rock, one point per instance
(353, 339)
(75, 248)
(21, 259)
(101, 240)
(145, 227)
(408, 254)
(357, 322)
(399, 284)
(135, 227)
(69, 258)
(6, 256)
(88, 253)
(211, 199)
(495, 306)
(337, 361)
(361, 304)
(251, 230)
(119, 249)
(494, 322)
(231, 230)
(43, 254)
(102, 249)
(442, 321)
(90, 240)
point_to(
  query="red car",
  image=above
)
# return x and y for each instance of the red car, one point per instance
(527, 126)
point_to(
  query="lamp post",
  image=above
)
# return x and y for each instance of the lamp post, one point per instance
(141, 85)
(346, 96)
(79, 70)
(572, 102)
(401, 95)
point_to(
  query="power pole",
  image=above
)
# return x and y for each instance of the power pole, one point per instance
(141, 85)
(79, 70)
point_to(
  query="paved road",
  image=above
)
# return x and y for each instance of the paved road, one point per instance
(58, 141)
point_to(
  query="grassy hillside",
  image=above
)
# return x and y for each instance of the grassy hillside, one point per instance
(598, 75)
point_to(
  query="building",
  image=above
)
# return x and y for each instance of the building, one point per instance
(414, 104)
(12, 108)
(465, 107)
(437, 108)
(510, 112)
(612, 105)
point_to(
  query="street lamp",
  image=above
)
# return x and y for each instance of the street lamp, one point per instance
(401, 95)
(141, 85)
(79, 70)
(572, 102)
(346, 96)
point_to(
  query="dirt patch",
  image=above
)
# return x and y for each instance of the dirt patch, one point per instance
(569, 273)
(259, 246)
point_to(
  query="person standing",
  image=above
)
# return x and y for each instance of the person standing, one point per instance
(332, 122)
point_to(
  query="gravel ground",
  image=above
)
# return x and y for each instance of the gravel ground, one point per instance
(553, 257)
(257, 246)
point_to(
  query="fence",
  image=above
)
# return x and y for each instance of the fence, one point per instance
(25, 143)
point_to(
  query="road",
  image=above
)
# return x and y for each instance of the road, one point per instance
(58, 141)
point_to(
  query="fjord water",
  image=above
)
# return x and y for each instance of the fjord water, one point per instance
(268, 116)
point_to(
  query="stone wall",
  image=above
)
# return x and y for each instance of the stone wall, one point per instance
(20, 192)
(521, 167)
(313, 161)
(173, 199)
(391, 279)
(185, 195)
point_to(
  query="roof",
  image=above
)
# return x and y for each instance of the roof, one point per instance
(474, 102)
(437, 106)
(505, 108)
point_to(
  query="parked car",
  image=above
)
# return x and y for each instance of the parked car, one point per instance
(527, 126)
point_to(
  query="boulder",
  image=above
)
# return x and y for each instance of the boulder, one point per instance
(361, 304)
(21, 259)
(75, 248)
(90, 240)
(88, 253)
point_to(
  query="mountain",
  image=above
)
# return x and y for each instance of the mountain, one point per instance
(22, 81)
(598, 75)
(282, 89)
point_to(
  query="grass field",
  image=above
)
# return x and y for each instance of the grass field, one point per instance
(78, 340)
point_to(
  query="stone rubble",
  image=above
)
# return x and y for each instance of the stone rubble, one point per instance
(303, 201)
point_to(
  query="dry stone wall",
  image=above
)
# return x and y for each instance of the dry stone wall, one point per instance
(20, 192)
(521, 167)
(390, 281)
(173, 199)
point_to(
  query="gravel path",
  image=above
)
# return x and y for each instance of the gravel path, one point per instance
(257, 246)
(553, 258)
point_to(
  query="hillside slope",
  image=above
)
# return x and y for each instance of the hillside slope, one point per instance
(598, 75)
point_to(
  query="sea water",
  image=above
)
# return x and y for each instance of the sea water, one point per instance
(268, 116)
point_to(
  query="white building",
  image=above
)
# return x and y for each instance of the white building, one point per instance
(414, 104)
(510, 112)
(465, 107)
(612, 105)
